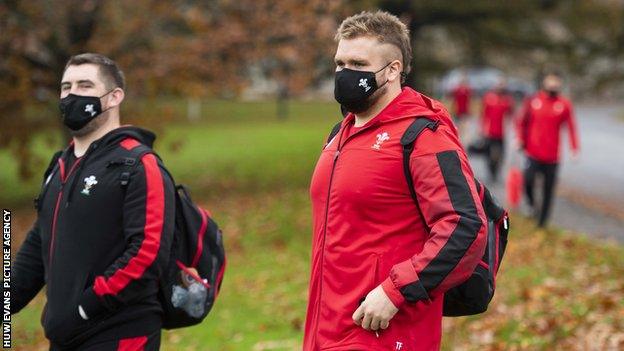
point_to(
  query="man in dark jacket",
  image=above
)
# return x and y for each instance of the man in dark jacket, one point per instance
(104, 224)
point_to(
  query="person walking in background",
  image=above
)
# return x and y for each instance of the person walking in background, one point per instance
(497, 104)
(380, 266)
(461, 96)
(539, 125)
(101, 239)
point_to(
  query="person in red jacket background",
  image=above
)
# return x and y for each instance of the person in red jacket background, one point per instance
(380, 266)
(539, 125)
(461, 96)
(497, 104)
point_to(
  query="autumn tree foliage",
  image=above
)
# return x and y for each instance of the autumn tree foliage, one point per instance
(585, 38)
(199, 49)
(167, 48)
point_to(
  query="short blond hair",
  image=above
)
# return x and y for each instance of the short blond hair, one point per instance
(387, 28)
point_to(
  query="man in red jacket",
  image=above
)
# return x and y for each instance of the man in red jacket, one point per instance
(497, 104)
(461, 98)
(380, 266)
(539, 125)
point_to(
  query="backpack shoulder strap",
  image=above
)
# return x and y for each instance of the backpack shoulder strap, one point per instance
(52, 165)
(136, 154)
(46, 176)
(407, 141)
(334, 131)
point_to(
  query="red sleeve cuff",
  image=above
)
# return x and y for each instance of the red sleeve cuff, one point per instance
(393, 293)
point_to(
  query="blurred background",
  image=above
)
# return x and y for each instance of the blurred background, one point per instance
(240, 94)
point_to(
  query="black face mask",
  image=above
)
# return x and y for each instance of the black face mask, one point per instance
(552, 93)
(77, 110)
(352, 88)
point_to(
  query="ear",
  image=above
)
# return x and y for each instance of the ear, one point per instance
(116, 97)
(393, 72)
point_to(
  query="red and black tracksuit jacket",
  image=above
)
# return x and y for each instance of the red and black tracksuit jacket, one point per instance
(461, 100)
(99, 245)
(367, 230)
(539, 126)
(496, 106)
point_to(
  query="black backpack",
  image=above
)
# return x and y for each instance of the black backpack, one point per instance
(197, 243)
(473, 295)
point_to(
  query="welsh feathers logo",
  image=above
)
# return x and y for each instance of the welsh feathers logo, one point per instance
(90, 181)
(381, 137)
(89, 109)
(364, 84)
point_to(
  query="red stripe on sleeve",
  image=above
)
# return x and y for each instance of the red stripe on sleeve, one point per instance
(154, 219)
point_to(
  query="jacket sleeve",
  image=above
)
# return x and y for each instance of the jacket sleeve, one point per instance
(28, 272)
(451, 209)
(148, 225)
(572, 130)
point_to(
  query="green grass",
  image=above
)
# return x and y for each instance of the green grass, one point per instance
(223, 151)
(556, 290)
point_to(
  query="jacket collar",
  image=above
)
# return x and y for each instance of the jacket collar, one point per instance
(408, 104)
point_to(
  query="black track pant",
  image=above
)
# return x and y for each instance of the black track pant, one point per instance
(493, 150)
(548, 172)
(149, 342)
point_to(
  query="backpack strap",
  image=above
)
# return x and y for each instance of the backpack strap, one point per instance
(334, 132)
(407, 141)
(46, 176)
(134, 160)
(52, 165)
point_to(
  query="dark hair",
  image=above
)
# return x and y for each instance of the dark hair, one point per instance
(109, 71)
(551, 72)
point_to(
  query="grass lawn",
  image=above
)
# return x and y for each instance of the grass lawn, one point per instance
(556, 290)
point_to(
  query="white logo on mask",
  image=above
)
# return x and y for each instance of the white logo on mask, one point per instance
(364, 84)
(89, 109)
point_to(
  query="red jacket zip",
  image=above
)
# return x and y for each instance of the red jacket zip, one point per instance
(331, 176)
(64, 178)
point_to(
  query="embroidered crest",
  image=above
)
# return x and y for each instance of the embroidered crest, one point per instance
(381, 137)
(90, 181)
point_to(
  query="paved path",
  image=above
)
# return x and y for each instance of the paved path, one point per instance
(590, 193)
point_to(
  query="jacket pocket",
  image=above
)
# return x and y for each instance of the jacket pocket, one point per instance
(89, 281)
(63, 321)
(372, 278)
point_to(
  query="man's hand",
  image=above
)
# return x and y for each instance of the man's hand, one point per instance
(376, 311)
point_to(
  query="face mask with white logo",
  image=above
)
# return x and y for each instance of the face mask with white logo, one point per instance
(352, 88)
(77, 110)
